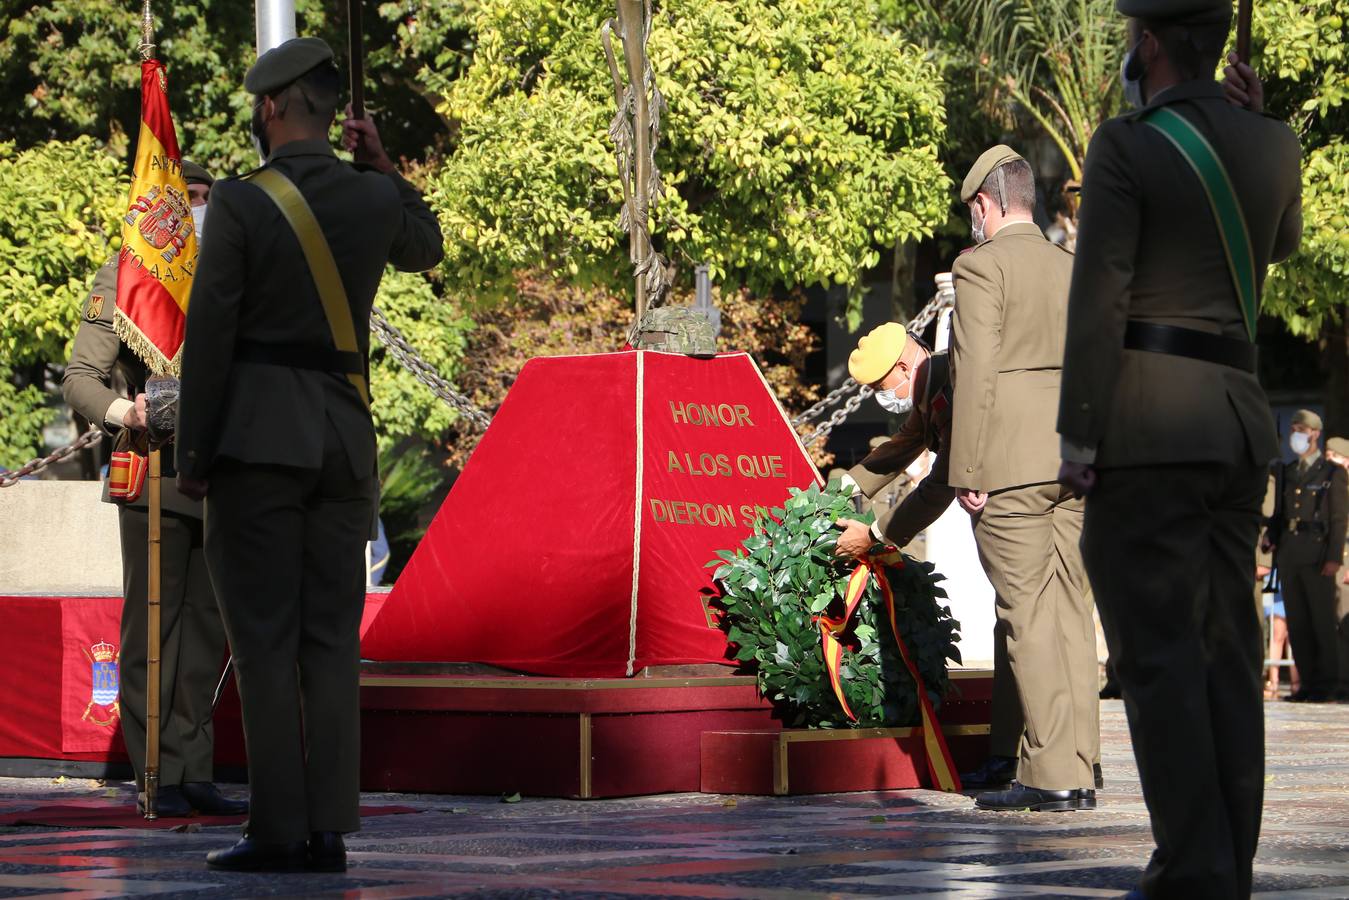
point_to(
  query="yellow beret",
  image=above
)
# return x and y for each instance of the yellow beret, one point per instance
(877, 352)
(1195, 12)
(1338, 445)
(1308, 419)
(282, 65)
(989, 160)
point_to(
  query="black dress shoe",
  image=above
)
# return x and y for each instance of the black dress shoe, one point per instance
(169, 803)
(1097, 775)
(250, 856)
(996, 773)
(1020, 797)
(1298, 696)
(1110, 692)
(206, 799)
(327, 852)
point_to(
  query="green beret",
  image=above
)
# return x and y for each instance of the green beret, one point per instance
(195, 174)
(1307, 419)
(989, 160)
(1193, 12)
(283, 64)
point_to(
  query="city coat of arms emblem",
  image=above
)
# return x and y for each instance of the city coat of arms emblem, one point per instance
(103, 708)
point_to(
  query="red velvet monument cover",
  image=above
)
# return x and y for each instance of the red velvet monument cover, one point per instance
(575, 540)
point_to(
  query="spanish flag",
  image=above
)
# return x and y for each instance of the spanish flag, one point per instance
(159, 243)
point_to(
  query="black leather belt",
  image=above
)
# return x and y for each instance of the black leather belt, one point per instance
(1176, 341)
(300, 356)
(1309, 528)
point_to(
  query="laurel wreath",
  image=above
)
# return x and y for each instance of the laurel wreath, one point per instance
(775, 584)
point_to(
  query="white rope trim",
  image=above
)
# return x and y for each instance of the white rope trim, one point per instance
(637, 515)
(796, 438)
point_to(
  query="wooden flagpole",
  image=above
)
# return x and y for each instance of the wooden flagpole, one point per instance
(356, 51)
(1244, 30)
(152, 597)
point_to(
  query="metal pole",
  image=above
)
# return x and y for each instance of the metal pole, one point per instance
(630, 20)
(152, 645)
(275, 23)
(1244, 30)
(356, 51)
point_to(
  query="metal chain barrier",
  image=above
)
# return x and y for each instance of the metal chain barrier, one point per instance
(860, 392)
(32, 467)
(423, 371)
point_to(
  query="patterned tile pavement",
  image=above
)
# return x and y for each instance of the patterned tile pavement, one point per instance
(899, 844)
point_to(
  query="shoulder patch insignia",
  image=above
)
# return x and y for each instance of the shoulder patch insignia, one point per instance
(95, 308)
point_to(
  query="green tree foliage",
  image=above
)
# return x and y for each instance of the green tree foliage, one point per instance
(1302, 50)
(61, 223)
(797, 138)
(1055, 61)
(70, 68)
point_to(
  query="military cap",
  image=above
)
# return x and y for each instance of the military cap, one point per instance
(1307, 419)
(989, 160)
(1195, 12)
(195, 174)
(1338, 445)
(877, 352)
(283, 64)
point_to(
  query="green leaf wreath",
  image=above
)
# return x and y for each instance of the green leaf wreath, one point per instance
(785, 574)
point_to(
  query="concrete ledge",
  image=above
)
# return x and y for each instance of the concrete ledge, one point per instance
(59, 539)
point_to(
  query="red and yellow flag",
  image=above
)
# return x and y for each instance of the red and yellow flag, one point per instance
(940, 765)
(159, 243)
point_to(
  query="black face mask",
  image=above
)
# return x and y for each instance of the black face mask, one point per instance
(259, 132)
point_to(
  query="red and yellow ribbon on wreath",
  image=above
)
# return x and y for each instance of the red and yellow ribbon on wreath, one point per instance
(939, 763)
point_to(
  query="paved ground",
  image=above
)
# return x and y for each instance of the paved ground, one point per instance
(910, 843)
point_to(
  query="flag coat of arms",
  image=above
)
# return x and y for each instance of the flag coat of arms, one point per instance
(159, 243)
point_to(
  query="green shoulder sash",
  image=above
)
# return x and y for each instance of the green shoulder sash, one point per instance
(1222, 198)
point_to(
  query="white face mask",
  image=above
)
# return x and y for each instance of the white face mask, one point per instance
(1133, 86)
(893, 404)
(199, 219)
(1300, 442)
(977, 224)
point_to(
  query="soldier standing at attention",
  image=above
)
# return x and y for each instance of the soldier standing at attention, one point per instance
(1166, 429)
(1306, 534)
(275, 432)
(192, 639)
(907, 378)
(1337, 451)
(1007, 337)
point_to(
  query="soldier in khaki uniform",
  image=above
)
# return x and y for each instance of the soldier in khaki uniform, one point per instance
(1306, 534)
(192, 639)
(1167, 431)
(908, 378)
(1006, 350)
(275, 433)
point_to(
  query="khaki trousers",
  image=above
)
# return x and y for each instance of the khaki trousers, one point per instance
(1028, 544)
(1006, 724)
(191, 653)
(1171, 555)
(1310, 600)
(286, 548)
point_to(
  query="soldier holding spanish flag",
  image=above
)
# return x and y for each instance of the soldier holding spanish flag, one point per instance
(132, 326)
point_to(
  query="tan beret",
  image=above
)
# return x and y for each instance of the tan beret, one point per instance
(1338, 445)
(1196, 12)
(284, 63)
(1308, 419)
(195, 174)
(877, 352)
(989, 160)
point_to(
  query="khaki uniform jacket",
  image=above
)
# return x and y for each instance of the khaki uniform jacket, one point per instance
(1148, 248)
(1007, 334)
(1309, 522)
(927, 427)
(86, 384)
(253, 284)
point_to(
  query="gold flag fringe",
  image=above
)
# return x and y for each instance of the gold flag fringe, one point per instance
(145, 348)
